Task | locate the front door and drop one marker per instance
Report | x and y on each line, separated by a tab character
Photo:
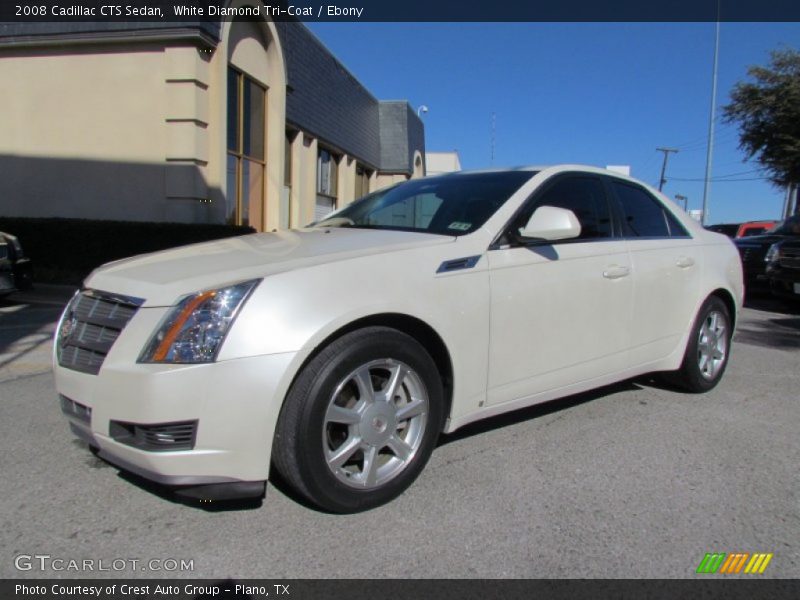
560	311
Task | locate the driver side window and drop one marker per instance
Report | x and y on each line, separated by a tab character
584	196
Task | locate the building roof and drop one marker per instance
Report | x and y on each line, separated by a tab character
59	32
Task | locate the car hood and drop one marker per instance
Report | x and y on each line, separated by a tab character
162	277
793	242
754	241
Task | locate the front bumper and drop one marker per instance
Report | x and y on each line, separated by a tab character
784	283
233	403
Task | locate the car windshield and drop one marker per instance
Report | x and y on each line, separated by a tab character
790	226
447	205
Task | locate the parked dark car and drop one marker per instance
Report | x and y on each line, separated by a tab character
6	272
740	230
753	250
21	267
783	269
728	229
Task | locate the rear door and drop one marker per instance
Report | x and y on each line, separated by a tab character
667	267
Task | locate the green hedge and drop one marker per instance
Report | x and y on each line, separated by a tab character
67	250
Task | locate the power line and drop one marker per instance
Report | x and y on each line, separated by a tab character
736	174
721	177
719	180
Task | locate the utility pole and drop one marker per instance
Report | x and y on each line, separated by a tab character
712	116
493	138
666	152
684	199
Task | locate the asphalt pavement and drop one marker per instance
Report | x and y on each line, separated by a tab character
633	480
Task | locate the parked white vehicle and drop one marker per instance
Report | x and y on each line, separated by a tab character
339	352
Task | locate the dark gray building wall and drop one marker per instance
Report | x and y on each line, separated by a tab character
394	146
402	134
416	135
325	100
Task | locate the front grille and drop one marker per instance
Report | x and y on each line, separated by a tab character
91	324
790	258
160	437
752	254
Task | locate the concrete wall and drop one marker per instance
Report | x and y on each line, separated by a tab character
437	163
135	129
83	127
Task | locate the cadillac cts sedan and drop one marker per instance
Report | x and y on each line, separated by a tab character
338	353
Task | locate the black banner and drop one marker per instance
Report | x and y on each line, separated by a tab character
165	11
394	589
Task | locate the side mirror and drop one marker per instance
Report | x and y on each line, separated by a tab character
551	224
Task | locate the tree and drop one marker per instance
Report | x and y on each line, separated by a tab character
767	111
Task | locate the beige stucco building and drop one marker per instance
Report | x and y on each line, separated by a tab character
233	122
438	163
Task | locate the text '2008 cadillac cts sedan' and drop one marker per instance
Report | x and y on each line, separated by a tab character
339	352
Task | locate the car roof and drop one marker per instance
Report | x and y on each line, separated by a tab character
540	168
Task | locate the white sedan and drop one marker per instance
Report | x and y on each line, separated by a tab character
338	353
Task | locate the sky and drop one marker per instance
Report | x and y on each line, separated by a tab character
588	93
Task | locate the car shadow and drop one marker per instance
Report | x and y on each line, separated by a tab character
537	411
277	482
764	302
166	492
777	324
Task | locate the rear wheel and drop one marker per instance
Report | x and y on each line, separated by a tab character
360	420
708	349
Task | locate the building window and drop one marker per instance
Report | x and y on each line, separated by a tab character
326	183
362	181
246	150
326	174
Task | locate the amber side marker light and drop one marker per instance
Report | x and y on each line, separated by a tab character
163	348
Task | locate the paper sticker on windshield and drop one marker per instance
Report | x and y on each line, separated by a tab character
459	226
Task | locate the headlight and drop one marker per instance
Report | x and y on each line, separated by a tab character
193	331
773	254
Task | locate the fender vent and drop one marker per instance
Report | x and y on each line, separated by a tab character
458	263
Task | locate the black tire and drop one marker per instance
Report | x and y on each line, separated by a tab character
308	436
695	376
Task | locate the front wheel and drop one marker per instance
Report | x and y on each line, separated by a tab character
708	349
360	420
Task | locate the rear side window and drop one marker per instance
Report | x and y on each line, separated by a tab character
584	196
643	215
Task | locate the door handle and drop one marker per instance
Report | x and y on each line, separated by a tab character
684	262
616	272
